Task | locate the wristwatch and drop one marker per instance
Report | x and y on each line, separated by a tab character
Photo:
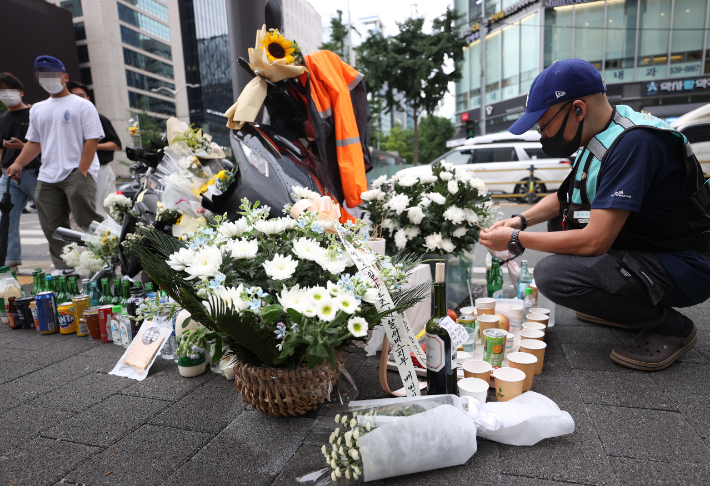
522	218
514	246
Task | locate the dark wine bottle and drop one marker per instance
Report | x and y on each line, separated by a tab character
440	355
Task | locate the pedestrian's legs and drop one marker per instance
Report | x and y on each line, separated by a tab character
81	195
53	212
19	197
627	287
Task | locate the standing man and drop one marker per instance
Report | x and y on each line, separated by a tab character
636	217
13	129
107	146
66	129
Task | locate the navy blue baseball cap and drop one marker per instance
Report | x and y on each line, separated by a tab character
563	81
49	64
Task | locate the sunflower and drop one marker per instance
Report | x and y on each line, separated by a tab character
278	47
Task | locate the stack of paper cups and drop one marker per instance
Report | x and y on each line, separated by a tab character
515	314
485	305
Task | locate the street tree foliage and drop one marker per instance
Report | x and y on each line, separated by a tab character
434	131
401	141
338	33
410	66
3	108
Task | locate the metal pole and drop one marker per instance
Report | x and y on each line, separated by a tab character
482	30
243	20
351	54
531	185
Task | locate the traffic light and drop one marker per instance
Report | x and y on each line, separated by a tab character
470	130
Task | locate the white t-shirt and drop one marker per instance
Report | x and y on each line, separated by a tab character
61	126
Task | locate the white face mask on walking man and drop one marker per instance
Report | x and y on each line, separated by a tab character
52	85
11	97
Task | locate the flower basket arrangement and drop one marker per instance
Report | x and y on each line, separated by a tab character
280	293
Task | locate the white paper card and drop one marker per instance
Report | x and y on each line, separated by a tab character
457	332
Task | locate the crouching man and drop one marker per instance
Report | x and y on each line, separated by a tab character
636	217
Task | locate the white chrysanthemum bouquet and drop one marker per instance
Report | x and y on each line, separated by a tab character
118	206
436	213
278	291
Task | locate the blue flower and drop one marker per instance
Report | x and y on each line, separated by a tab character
280	330
350	224
294	327
209	231
255	305
191	234
302	222
220	277
317	227
366	235
260	293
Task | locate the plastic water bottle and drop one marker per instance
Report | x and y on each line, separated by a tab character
170	347
528	301
524	279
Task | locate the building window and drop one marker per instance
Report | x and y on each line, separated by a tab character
85	73
474	95
687	38
146	83
74	6
474	11
460	6
558	34
148	103
152	7
130	16
148	44
653	39
510	58
620	41
588	37
139	61
493	67
83	52
529	48
79	31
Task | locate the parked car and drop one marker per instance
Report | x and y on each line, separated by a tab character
695	125
503	162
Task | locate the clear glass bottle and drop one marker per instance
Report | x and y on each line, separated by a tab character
116	325
495	280
528	301
137	298
441	357
126	332
95	294
85	285
170	347
524	279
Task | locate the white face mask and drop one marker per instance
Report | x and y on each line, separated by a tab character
51	85
11	97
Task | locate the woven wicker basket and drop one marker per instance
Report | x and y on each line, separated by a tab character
284	392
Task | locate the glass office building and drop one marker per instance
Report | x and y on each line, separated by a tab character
653	54
205	46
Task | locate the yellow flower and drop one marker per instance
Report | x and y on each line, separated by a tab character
278	47
179	219
202	189
107	232
104	240
222	175
133	130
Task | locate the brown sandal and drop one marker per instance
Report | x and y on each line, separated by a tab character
653	352
602	322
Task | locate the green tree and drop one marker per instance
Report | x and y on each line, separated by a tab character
338	33
410	66
3	108
434	131
400	141
151	128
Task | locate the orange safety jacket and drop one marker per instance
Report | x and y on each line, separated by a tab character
341	123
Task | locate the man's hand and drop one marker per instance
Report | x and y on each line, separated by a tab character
13	143
497	238
515	223
84	172
13	172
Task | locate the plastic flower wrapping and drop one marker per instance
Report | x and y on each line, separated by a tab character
279	291
101	247
438	213
377	439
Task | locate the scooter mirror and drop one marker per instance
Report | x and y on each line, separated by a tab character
272	15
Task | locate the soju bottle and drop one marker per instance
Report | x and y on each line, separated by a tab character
126	287
41	282
441	358
524	279
105	292
116	300
495	280
63	291
74	288
33	292
49	285
85	286
95	294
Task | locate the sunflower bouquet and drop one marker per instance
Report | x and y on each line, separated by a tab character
278	47
279	292
437	213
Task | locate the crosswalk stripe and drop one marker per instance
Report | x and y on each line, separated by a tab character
33	241
31	232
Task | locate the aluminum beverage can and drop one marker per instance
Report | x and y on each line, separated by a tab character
12	318
46	313
23	312
33	310
467	321
80	305
494	346
67	319
105	313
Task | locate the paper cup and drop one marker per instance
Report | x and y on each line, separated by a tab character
540	310
509	383
489	311
462	356
534	325
524	362
486	322
532	334
468	311
474	388
486	302
541	318
537	349
477	369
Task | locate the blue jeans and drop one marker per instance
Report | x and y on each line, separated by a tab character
20	194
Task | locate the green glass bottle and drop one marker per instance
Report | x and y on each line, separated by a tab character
105	292
41	282
49	284
441	357
495	280
33	292
74	287
85	285
62	290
